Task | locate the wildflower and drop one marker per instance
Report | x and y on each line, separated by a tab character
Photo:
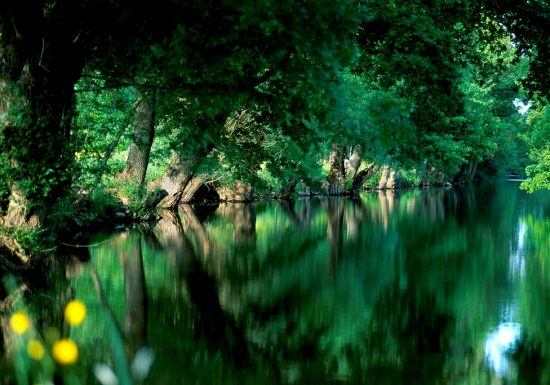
75	312
20	322
65	352
35	350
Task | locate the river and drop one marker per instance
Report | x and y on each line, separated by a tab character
431	286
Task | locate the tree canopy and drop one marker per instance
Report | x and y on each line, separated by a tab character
263	93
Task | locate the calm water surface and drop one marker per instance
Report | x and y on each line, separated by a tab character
427	286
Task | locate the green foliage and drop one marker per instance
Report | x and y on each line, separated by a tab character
479	123
374	118
102	202
32	241
103	121
539	172
265	89
130	193
42	363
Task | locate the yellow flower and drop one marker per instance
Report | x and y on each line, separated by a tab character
75	312
65	352
35	350
20	322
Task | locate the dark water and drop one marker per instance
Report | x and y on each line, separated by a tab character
414	287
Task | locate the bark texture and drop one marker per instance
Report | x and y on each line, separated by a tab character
384	177
177	176
337	174
37	77
192	188
142	139
183	167
362	177
353	163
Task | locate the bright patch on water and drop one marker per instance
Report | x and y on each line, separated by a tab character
517	257
499	344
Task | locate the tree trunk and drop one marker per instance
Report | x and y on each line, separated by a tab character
361	177
384	177
192	188
434	177
142	139
337	175
287	192
353	163
466	173
182	168
472	171
37	77
393	180
114	143
176	178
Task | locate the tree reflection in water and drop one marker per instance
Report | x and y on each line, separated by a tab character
392	287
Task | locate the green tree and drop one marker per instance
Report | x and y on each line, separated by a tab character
221	55
539	172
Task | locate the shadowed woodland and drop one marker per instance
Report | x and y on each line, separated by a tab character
191	131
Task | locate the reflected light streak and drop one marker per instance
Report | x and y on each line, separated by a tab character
517	258
499	344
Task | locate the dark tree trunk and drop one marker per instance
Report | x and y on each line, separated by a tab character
472	171
287	192
466	173
361	177
37	77
434	177
135	313
334	228
142	139
337	175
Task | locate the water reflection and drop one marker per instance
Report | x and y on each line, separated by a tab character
420	287
517	256
503	341
346	290
135	293
499	346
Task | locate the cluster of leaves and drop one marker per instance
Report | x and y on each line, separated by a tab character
539	171
104	116
419	84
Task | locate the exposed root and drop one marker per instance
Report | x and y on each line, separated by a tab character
12	256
